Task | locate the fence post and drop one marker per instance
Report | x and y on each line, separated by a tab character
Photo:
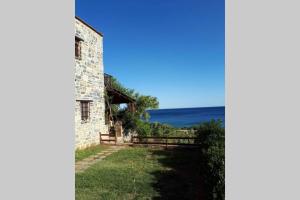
100	138
167	142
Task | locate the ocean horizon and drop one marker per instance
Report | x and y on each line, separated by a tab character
187	117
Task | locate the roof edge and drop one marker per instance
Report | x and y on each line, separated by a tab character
130	99
101	34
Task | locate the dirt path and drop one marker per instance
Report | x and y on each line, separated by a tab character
82	165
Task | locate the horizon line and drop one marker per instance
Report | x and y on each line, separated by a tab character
187	107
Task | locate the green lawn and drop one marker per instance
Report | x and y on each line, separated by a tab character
81	154
143	173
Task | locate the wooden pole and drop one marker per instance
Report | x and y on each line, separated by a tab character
167	142
100	137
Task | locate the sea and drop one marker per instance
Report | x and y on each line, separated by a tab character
187	117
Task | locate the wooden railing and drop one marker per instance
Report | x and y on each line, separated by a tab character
166	140
109	138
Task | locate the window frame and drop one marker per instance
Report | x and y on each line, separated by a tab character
85	110
78	52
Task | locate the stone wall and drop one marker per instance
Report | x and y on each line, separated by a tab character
89	83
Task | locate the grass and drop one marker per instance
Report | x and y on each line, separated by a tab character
84	153
143	173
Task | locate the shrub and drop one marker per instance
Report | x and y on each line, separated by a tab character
212	137
129	120
158	129
143	128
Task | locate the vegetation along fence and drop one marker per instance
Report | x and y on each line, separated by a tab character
166	140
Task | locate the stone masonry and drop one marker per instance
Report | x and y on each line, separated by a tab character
89	86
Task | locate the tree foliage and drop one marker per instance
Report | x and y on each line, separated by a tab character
212	137
136	121
118	86
143	103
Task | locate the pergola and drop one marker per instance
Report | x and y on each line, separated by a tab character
116	96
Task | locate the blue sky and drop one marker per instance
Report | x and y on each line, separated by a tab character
171	49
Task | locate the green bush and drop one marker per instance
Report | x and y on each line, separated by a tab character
129	120
158	129
143	128
212	137
132	122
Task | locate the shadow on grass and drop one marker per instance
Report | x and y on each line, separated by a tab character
182	179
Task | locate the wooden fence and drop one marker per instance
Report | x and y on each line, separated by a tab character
193	141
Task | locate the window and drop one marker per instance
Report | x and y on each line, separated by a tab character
77	48
85	110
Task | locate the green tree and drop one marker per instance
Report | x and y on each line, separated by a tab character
137	121
143	103
134	121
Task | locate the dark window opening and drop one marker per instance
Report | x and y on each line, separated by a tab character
85	110
77	48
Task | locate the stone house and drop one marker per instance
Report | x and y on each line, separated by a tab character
92	113
89	85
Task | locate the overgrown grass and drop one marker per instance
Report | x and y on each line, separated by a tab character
142	173
84	153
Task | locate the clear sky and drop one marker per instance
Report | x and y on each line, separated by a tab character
171	49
